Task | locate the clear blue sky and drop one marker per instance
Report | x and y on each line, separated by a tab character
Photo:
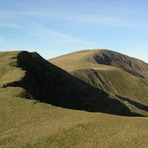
56	27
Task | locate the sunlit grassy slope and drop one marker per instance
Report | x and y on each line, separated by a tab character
30	123
8	70
123	77
26	123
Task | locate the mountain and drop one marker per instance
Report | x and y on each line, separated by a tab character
47	83
103	57
42	105
87	84
122	77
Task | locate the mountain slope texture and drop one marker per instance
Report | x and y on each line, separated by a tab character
42	105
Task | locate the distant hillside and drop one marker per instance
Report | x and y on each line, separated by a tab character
122	77
91	58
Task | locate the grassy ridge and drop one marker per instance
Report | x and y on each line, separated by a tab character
47	83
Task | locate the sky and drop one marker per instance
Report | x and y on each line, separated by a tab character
57	27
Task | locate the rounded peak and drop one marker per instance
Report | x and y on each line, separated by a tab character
103	57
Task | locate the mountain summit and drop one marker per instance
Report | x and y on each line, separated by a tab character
88	58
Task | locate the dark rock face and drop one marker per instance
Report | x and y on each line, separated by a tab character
131	65
47	83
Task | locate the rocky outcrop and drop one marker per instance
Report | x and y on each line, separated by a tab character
126	63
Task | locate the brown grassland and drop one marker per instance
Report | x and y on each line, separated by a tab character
29	123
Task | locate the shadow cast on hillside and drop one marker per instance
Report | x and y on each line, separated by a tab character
136	104
48	83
